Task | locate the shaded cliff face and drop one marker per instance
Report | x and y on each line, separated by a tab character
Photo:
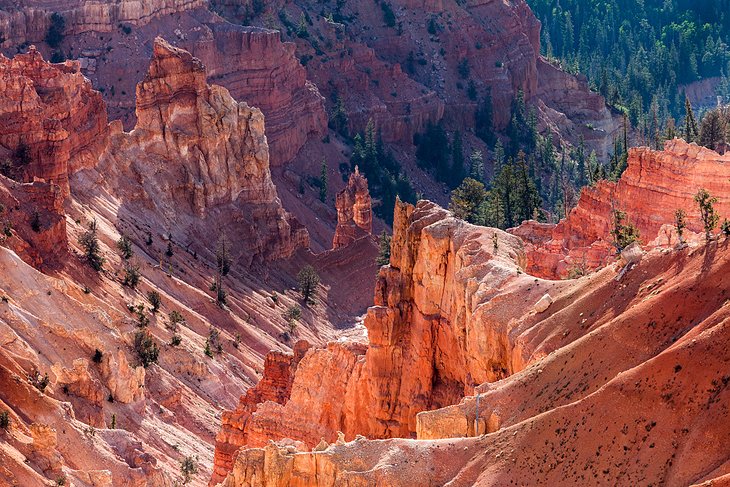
436	61
252	63
354	211
653	187
654	337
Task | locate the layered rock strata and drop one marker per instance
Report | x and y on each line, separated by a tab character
198	152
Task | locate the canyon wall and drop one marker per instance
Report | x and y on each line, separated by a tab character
30	23
52	122
256	66
354	211
444	320
653	187
196	152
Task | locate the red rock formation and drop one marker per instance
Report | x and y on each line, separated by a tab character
51	120
198	153
354	211
30	22
439	289
275	385
257	67
655	339
653	187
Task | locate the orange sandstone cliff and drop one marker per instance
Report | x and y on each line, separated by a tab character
604	380
653	187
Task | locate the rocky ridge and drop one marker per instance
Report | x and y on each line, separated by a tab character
653	187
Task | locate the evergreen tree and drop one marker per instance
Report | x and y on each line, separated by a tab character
624	233
308	281
457	161
467	199
690	123
709	216
527	195
323	182
680	224
476	162
90	242
383	249
484	128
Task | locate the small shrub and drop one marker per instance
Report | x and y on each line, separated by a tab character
5	420
98	355
61	481
90	242
146	348
38	381
175	340
175	320
155	300
124	244
292	315
213	342
169	252
131	275
188	468
142	320
35	221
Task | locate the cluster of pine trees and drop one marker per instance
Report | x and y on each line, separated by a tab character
639	54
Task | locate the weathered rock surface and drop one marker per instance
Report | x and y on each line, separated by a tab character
198	153
354	211
30	22
653	187
256	66
52	122
655	341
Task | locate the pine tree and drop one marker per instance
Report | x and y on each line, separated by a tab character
691	131
476	162
498	157
467	199
90	242
706	202
457	160
383	249
308	281
527	195
323	182
680	224
223	267
624	233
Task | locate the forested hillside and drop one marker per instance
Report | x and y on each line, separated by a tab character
639	55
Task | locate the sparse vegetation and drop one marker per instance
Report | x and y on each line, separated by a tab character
155	300
188	468
142	320
624	233
213	342
124	244
175	320
384	249
292	315
680	223
146	348
90	242
4	420
710	218
39	381
308	281
131	275
223	267
97	357
54	35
